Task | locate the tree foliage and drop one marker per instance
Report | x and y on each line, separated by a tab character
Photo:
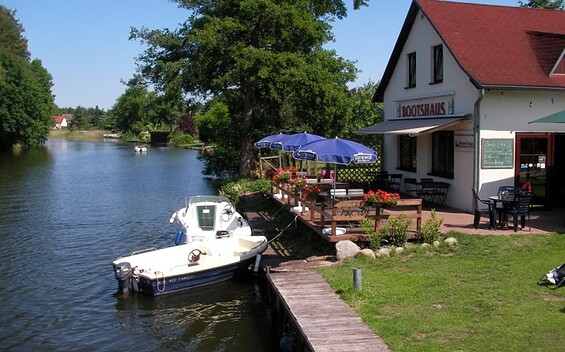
26	101
544	4
139	109
264	59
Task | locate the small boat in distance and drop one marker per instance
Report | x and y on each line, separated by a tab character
214	243
140	149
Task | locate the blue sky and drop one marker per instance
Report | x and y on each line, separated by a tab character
84	43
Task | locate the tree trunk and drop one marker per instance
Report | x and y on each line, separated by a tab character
247	164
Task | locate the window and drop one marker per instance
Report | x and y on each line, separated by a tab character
437	52
442	154
411	70
407	152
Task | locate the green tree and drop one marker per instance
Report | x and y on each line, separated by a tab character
264	58
139	109
26	101
544	4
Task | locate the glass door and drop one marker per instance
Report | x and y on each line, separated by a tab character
533	165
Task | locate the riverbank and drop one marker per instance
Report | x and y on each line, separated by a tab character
81	136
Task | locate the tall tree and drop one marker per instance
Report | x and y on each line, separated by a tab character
544	4
264	57
26	101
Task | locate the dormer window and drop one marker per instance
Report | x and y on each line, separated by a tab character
437	62
411	70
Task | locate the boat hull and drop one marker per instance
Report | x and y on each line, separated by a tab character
179	283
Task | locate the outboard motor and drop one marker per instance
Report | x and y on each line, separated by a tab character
122	271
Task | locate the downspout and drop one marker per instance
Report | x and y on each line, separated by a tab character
477	139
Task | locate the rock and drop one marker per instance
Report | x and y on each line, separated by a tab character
437	243
426	246
367	252
346	249
399	250
382	252
452	241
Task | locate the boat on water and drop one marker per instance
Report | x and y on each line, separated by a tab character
140	149
214	244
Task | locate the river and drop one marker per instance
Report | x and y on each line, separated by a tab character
68	210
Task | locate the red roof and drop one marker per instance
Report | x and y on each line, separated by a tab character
497	46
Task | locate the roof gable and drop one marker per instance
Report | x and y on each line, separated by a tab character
496	46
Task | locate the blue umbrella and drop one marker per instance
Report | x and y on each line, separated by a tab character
267	142
294	141
336	151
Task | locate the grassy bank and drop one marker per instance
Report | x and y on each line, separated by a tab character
482	297
88	136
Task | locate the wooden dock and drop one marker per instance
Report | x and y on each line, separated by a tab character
339	214
325	322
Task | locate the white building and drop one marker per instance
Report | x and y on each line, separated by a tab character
460	88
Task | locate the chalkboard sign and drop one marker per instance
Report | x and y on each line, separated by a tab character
497	153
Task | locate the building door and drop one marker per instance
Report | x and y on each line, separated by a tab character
534	166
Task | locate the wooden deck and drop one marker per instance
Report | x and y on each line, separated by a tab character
325	322
339	214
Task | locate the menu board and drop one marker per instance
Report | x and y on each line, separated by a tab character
497	153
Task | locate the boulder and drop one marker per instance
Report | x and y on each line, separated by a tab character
383	252
367	252
346	249
452	241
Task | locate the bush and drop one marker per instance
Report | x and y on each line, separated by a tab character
375	238
429	231
181	140
234	189
395	232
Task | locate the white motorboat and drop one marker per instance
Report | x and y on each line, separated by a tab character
214	244
140	149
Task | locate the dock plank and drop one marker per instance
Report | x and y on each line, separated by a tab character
326	322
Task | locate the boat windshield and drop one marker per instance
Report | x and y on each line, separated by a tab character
206	199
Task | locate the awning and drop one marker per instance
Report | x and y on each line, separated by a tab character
558	117
412	126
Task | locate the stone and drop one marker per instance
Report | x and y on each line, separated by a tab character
426	246
383	252
367	252
452	241
399	250
437	243
346	249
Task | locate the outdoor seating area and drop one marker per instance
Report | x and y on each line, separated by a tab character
428	189
509	202
337	214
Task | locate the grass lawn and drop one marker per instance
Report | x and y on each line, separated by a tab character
483	296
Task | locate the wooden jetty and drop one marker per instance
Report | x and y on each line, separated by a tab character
324	321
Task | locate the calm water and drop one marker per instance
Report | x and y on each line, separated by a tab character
65	213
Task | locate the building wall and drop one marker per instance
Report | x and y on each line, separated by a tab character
455	83
503	113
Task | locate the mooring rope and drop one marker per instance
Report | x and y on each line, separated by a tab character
283	230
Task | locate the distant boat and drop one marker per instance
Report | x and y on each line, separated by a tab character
140	149
213	245
112	135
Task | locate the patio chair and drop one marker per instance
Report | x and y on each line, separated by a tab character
427	189
394	182
411	186
479	210
521	207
